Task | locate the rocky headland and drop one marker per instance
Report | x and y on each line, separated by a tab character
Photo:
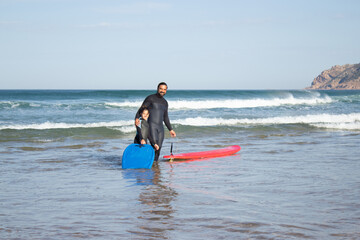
338	77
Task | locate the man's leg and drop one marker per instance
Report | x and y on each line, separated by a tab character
157	134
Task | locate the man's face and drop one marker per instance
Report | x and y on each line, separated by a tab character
162	90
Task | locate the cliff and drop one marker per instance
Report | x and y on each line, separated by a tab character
338	77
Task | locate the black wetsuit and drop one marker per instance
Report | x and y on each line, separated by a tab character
158	108
143	133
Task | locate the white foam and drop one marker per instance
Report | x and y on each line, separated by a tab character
247	103
132	104
9	104
341	121
35	105
126	129
52	125
341	126
231	103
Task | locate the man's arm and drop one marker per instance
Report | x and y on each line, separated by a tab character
167	123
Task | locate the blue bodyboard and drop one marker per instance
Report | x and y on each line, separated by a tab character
138	156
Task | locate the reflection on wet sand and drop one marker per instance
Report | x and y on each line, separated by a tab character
155	217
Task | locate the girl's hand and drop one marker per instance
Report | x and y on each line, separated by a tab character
137	122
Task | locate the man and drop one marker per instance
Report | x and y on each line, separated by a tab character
158	108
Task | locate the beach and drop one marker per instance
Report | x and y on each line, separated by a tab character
297	175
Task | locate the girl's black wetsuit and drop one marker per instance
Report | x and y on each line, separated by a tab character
158	108
143	133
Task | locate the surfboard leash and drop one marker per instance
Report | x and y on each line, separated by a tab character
171	153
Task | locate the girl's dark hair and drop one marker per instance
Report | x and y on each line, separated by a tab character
143	108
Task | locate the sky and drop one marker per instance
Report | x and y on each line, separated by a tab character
198	44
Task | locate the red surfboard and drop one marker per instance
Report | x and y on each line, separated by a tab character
206	154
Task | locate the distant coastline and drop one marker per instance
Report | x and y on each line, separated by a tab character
345	77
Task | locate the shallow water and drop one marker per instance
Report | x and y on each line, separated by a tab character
278	187
289	181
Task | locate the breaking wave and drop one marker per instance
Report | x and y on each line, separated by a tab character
231	103
340	121
52	125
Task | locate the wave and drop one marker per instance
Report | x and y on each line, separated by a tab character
52	125
126	104
341	121
203	103
330	121
251	103
18	104
231	103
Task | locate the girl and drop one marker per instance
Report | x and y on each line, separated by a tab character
143	132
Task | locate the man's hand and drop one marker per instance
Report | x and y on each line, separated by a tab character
137	122
156	147
172	133
143	141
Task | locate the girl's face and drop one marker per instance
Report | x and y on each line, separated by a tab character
145	114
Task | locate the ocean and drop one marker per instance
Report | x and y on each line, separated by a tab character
297	175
